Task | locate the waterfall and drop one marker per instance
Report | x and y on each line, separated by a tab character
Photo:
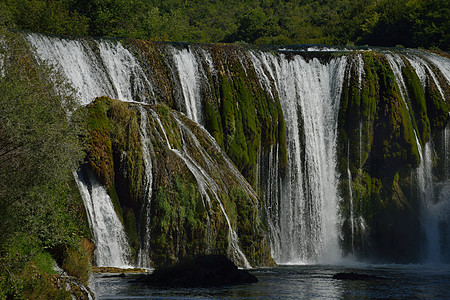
144	225
112	249
426	195
434	196
126	75
94	68
188	73
435	201
205	182
309	93
301	203
423	69
350	191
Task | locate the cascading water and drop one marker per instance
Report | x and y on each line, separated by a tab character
204	181
188	73
435	201
301	204
143	257
350	192
435	207
114	72
110	239
126	75
309	92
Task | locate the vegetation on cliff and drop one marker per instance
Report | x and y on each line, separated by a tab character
42	218
186	216
377	131
242	117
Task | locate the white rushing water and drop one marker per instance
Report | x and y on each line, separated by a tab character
350	192
143	258
127	77
112	249
188	72
309	92
114	72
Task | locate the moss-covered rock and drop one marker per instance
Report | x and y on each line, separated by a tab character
240	115
115	155
193	184
438	108
417	98
377	132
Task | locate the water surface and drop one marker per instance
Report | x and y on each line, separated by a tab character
300	282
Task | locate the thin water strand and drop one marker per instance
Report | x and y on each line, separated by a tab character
143	257
112	248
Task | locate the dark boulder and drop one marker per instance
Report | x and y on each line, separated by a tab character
203	270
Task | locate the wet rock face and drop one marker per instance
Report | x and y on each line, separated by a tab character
201	271
175	189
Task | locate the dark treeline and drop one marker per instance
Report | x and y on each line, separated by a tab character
410	23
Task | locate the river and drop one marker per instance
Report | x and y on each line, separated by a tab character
300	282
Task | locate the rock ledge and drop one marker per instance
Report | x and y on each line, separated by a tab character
203	270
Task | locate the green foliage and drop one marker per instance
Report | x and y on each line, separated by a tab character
54	17
44	262
411	23
26	270
76	263
40	207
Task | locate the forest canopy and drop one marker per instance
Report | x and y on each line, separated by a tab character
409	23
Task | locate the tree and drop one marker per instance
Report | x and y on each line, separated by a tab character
39	148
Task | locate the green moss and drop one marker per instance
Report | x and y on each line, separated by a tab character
127	153
438	108
131	229
77	263
249	120
377	131
170	126
234	138
213	123
419	107
394	135
250	230
99	148
44	262
115	154
178	221
115	201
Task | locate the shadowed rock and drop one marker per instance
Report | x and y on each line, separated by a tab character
355	276
203	270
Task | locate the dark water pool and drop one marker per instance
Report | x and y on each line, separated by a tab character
300	282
